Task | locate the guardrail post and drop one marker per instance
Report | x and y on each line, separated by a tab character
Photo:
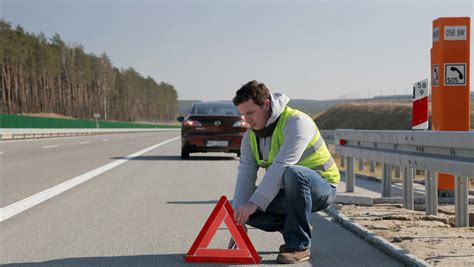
386	180
350	177
397	171
372	166
408	194
461	201
361	165
431	193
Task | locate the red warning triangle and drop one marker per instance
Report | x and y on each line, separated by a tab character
245	252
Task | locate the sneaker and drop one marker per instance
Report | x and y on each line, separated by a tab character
282	247
293	256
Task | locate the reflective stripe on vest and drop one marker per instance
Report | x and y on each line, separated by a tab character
326	165
311	150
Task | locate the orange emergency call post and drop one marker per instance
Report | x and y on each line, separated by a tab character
450	80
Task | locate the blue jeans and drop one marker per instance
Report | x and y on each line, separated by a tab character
304	192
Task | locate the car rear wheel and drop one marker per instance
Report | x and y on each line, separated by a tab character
184	153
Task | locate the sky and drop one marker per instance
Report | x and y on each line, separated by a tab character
208	49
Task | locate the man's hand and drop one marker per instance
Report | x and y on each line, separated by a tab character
242	213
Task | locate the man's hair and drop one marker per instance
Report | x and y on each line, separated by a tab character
254	90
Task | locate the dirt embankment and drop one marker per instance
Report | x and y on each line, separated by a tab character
431	238
370	116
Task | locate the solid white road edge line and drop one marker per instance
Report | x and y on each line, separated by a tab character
31	201
53	146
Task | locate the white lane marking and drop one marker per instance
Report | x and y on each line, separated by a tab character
41	139
31	201
85	142
71	137
46	147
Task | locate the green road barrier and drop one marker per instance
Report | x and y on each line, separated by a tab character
20	121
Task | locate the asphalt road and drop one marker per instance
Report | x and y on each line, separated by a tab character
146	211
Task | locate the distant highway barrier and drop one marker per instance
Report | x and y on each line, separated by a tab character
8	121
432	151
14	127
18	134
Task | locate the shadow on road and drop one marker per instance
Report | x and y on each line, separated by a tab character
374	186
177	158
138	260
328	250
193	202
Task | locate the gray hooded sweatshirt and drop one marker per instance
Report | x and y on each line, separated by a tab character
299	130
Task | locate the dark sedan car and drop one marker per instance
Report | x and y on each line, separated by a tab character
214	126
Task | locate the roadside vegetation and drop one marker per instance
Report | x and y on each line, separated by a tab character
47	76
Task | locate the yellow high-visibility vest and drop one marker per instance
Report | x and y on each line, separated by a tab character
316	155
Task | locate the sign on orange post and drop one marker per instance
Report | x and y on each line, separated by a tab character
419	118
450	81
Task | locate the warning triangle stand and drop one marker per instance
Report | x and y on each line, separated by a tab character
245	252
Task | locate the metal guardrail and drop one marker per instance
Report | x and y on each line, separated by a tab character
432	151
328	136
19	134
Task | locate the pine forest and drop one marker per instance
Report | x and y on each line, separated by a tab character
48	76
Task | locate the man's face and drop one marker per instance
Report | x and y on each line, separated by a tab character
255	115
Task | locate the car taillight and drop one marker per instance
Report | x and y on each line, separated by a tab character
190	123
241	124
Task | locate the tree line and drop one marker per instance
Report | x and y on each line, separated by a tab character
41	75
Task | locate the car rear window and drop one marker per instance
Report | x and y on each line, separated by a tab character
214	109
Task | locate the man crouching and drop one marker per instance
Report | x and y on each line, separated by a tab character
301	175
